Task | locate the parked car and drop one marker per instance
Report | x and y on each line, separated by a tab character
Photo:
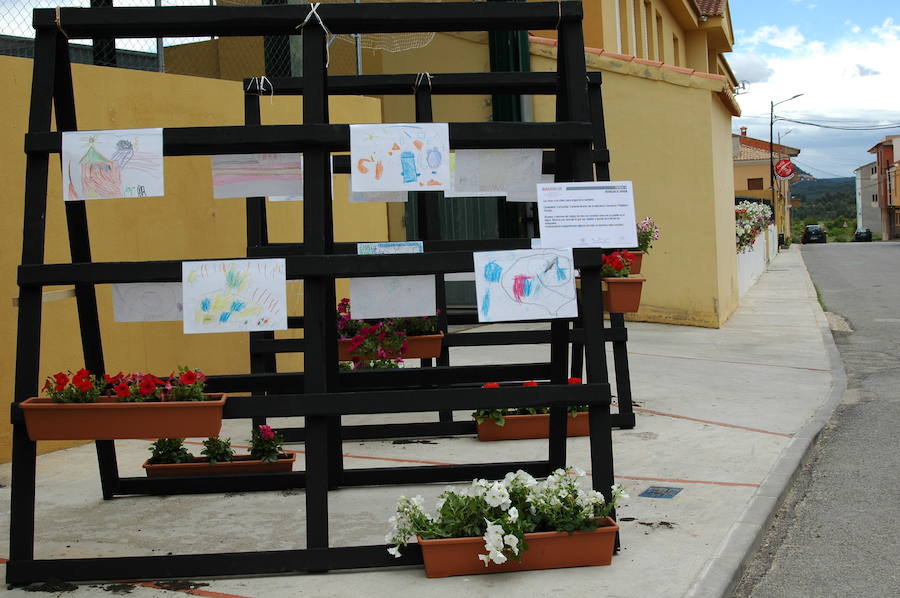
862	234
813	233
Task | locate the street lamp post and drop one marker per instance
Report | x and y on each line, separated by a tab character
772	148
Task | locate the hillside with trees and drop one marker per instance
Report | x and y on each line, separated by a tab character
830	202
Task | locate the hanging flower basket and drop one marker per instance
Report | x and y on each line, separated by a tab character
422	347
238	464
109	419
519	427
546	550
622	295
638	258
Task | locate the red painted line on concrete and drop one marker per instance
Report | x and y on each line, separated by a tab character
679	481
767	365
192	592
712	423
625	477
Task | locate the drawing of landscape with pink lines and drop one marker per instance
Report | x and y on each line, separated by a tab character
525	284
234	295
112	164
257	175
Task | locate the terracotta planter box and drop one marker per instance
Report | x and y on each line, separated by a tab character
546	550
421	347
239	464
636	264
108	419
519	427
622	295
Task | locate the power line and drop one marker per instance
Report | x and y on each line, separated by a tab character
807	167
840	127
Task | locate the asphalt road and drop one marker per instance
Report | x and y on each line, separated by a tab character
838	532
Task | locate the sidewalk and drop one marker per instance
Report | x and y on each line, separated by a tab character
726	415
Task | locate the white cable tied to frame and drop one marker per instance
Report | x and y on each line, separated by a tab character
313	12
420	78
259	84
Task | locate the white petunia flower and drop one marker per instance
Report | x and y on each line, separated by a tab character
497	557
486	558
497	496
513	514
512	541
394	550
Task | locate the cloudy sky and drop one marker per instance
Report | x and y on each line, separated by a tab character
844	57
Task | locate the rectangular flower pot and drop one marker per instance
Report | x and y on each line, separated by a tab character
422	347
546	550
622	295
108	419
519	427
239	464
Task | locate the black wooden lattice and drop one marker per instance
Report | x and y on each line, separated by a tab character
264	346
320	394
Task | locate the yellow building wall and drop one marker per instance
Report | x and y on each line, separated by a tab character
669	133
185	224
604	18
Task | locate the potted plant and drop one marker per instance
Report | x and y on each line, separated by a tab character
386	339
621	294
647	232
218	458
515	524
530	422
84	406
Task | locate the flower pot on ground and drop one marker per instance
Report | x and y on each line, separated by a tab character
141	406
238	464
520	427
170	458
522	523
546	550
622	295
520	424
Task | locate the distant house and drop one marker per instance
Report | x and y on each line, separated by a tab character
887	185
868	212
753	175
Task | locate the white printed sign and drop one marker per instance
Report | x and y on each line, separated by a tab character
589	214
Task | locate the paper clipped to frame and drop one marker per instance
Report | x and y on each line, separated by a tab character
588	214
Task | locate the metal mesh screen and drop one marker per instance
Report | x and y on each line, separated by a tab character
223	58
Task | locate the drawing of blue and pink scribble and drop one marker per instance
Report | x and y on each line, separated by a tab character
234	296
525	285
399	157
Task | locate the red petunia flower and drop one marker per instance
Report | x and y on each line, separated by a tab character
61	380
122	390
574	380
189	377
146	387
490	385
266	432
530	383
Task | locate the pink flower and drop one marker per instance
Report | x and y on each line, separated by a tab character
266	433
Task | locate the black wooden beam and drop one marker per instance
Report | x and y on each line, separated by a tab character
394	17
201	141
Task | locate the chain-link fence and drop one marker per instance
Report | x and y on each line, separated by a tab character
218	57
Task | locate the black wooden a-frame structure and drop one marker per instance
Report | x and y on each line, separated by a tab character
322	394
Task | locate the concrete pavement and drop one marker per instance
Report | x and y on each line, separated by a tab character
726	415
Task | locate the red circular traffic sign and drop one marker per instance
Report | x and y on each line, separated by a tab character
784	169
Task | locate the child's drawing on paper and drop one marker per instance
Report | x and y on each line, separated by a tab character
525	284
234	296
112	164
258	175
399	157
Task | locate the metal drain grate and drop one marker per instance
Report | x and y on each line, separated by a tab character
660	492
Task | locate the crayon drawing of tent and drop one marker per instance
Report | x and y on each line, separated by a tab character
100	176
